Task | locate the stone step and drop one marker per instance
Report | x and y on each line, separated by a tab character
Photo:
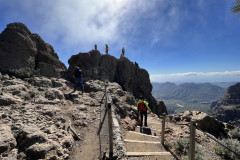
149	155
141	137
142	146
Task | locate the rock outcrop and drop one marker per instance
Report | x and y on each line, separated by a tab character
23	54
131	78
228	108
204	122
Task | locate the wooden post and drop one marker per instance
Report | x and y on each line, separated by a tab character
192	140
110	130
163	128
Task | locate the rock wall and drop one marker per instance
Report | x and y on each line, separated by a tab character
131	78
23	54
228	108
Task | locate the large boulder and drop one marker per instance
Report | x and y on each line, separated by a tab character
24	54
203	121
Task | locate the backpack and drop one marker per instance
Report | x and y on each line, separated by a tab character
142	107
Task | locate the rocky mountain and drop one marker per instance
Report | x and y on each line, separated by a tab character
23	53
228	108
188	92
128	75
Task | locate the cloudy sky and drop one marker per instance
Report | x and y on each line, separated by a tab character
174	40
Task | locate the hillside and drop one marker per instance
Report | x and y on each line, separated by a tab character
188	92
187	96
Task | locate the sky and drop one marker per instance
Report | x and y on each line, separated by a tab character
174	40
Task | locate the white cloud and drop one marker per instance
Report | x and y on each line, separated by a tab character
226	76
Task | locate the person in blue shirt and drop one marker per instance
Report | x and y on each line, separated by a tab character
78	79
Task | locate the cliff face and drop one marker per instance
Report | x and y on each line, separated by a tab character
22	52
228	108
131	78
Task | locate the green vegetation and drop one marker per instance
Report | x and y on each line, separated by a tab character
173	106
30	95
182	148
130	99
225	153
23	72
236	7
187	96
235	133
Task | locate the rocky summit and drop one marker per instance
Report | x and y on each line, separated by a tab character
129	75
228	108
23	53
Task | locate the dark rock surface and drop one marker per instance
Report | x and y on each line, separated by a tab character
24	54
228	108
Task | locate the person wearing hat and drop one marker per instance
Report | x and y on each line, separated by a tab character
78	78
142	107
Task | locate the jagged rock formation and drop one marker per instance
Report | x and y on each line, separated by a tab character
24	54
228	108
132	78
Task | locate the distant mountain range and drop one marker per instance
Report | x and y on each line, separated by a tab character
203	93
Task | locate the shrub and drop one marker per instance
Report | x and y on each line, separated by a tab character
225	153
130	100
235	133
182	146
29	95
23	72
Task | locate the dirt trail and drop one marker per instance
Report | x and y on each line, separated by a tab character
88	148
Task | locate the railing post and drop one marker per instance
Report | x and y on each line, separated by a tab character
192	140
110	131
163	128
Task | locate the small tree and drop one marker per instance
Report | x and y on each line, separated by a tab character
236	7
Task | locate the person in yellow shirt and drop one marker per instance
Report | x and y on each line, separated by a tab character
106	48
142	107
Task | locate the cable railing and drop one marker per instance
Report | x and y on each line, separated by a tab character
108	110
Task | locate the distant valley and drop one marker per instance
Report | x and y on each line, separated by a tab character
189	96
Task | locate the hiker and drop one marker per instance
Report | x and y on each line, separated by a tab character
142	107
106	48
78	78
123	51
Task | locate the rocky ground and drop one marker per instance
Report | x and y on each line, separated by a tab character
41	119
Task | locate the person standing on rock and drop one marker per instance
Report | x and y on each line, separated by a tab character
78	78
142	107
106	48
123	51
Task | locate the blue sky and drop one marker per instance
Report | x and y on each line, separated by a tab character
174	40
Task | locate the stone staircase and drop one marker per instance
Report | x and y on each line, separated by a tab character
145	143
